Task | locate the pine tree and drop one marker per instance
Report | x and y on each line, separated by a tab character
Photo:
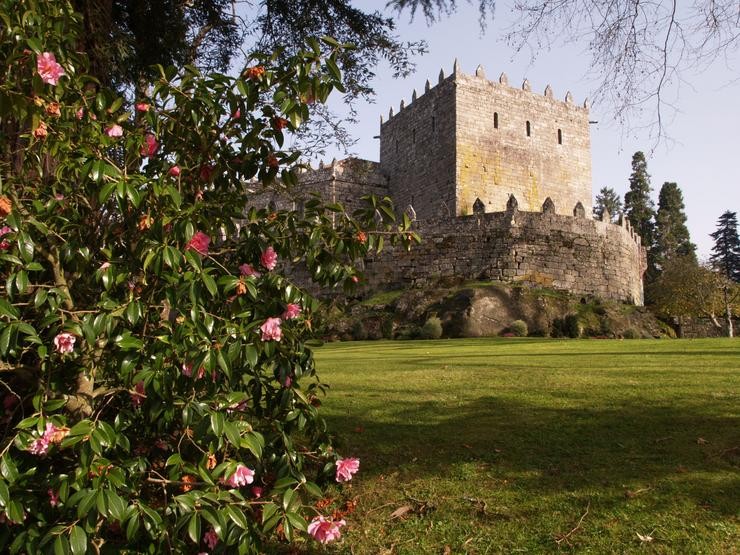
671	234
607	198
638	206
726	251
640	210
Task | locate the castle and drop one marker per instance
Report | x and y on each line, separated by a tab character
498	180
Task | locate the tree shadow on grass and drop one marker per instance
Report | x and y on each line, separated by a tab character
555	449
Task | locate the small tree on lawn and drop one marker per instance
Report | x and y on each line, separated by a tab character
158	391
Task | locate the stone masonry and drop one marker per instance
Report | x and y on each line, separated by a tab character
499	181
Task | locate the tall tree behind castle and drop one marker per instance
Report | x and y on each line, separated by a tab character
607	199
671	234
726	250
640	209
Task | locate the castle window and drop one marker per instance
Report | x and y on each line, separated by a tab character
413	136
495	120
560	136
434	124
529	129
396	146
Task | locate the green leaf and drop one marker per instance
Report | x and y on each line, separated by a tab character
194	528
4	494
8	469
251	353
251	441
61	545
232	434
297	521
132	529
217	423
210	284
78	541
237	516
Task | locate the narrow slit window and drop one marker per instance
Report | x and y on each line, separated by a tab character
529	129
396	146
560	136
434	124
495	120
413	136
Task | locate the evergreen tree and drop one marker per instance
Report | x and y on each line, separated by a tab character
638	206
607	198
726	251
640	211
671	234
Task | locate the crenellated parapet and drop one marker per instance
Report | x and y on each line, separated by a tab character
580	255
480	73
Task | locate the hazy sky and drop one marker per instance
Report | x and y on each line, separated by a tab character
703	158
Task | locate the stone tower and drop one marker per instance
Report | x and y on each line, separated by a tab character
468	138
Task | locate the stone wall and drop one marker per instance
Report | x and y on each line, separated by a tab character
513	141
468	138
345	181
417	151
579	255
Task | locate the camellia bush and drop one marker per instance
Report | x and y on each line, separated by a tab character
158	392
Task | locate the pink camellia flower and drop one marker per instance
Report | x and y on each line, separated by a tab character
210	538
237	114
39	446
269	258
48	68
187	369
52	434
271	330
65	342
174	171
199	243
241	477
104	266
345	469
138	395
248	270
114	130
256	492
4	243
291	311
142	107
151	145
80	113
53	498
324	530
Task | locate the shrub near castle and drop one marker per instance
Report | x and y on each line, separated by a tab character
157	390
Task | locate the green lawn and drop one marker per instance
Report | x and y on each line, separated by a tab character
538	445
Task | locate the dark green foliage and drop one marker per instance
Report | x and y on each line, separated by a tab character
519	328
569	326
359	331
631	333
432	328
124	38
671	234
386	328
726	250
607	198
638	206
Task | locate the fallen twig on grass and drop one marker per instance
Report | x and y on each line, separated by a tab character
566	537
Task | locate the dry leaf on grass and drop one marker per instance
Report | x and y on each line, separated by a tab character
647	538
401	512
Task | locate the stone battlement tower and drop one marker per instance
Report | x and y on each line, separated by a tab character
468	138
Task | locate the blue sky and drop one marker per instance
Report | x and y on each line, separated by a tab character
702	157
